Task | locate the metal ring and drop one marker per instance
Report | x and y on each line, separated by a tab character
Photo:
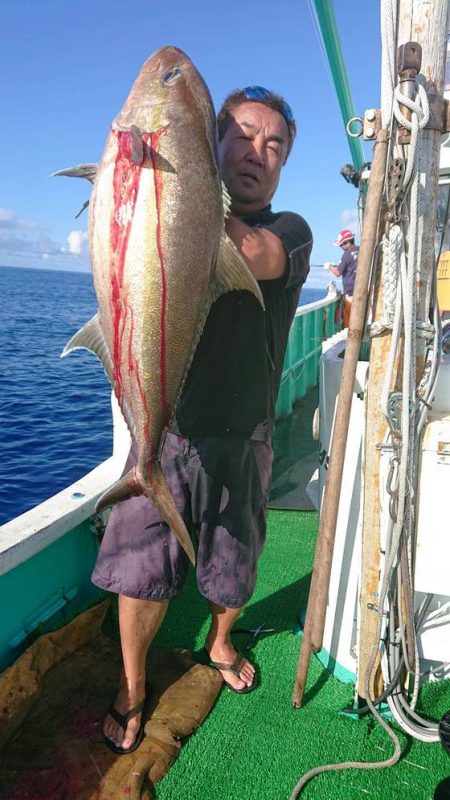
354	134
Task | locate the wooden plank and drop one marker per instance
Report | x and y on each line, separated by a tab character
426	23
317	601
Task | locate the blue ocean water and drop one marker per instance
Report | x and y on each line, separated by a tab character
55	416
55	413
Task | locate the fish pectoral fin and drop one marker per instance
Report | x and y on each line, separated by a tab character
88	171
232	272
131	145
226	200
126	487
91	337
135	147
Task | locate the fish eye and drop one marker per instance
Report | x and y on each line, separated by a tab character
171	76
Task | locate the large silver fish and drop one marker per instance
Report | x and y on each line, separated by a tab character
160	257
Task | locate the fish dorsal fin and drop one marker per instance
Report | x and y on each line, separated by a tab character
232	272
226	200
88	171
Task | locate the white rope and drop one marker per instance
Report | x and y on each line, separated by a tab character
420	115
396	331
420	106
393	248
393	242
400	264
404	522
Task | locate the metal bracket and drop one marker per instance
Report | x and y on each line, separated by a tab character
439	109
394	184
446	117
371	123
439	113
409	62
439	116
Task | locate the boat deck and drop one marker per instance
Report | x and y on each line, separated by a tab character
256	745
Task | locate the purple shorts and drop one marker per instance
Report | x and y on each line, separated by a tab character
221	488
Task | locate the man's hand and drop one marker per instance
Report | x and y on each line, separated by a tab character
332	268
262	250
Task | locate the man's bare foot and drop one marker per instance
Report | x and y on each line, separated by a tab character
124	736
225	653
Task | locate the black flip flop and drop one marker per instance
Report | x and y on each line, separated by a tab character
235	667
123	720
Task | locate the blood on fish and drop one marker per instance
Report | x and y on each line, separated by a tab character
125	186
153	140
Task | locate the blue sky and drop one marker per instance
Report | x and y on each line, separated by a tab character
67	66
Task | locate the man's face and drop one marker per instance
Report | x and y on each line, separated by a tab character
251	155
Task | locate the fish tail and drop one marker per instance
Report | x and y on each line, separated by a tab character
158	492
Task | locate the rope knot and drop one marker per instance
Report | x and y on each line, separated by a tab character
420	108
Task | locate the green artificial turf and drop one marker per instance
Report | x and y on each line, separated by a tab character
256	746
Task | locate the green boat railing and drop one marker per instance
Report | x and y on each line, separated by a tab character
312	324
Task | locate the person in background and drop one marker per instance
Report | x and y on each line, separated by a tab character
217	456
346	269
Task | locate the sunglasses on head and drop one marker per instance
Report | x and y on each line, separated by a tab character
260	93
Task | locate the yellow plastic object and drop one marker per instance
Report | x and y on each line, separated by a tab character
443	282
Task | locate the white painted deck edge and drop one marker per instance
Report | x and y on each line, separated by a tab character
33	531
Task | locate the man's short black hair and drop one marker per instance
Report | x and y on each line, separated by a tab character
270	99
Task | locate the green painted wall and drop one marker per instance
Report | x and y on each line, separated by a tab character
46	591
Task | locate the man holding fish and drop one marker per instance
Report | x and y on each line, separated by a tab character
202	454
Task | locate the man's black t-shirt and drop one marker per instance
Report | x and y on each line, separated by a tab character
233	382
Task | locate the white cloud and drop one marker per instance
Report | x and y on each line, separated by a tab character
9	220
350	219
77	241
26	242
12	244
